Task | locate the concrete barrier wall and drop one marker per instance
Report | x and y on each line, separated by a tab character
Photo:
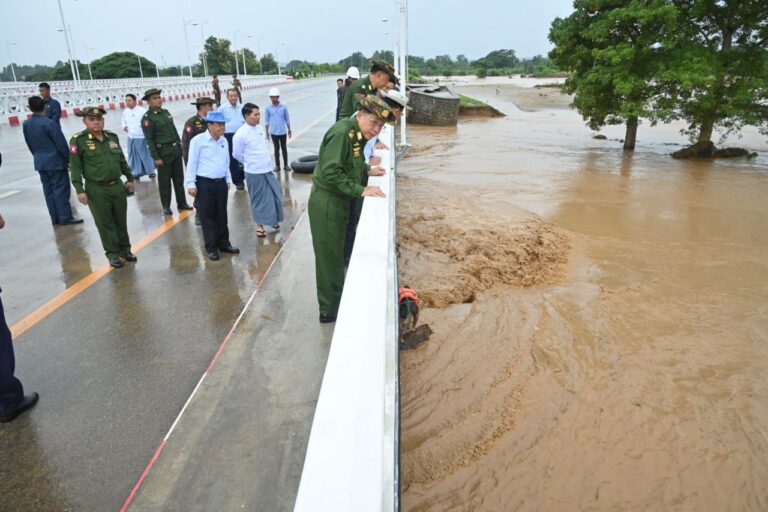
352	457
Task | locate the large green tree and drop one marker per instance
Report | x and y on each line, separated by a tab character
717	73
219	57
612	49
268	64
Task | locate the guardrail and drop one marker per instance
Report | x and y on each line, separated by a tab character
110	94
352	460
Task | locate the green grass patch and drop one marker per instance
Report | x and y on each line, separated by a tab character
466	101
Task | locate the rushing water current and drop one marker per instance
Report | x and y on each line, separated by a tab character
600	318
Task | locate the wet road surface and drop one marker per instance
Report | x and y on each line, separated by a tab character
115	362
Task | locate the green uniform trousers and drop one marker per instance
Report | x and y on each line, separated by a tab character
109	207
328	218
171	171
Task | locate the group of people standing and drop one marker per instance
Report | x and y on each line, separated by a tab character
94	163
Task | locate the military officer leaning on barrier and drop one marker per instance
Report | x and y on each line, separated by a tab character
96	158
336	180
195	125
380	75
165	147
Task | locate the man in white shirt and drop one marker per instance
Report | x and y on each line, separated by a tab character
208	181
250	146
139	158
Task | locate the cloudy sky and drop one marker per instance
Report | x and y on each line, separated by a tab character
310	29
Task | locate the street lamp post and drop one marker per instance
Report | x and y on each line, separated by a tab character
154	52
69	49
8	45
141	72
237	61
186	42
202	43
88	56
277	59
403	51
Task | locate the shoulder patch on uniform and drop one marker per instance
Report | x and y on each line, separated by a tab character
147	122
73	149
188	128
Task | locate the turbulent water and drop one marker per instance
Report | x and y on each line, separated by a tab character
600	318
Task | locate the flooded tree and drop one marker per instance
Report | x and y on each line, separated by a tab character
717	75
612	50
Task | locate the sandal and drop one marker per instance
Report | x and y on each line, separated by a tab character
276	227
261	233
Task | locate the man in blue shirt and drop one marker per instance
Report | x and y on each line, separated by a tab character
208	181
278	125
50	153
52	107
233	114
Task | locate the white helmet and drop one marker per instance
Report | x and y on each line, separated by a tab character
274	92
353	72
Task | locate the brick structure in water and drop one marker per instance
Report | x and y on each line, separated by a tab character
433	105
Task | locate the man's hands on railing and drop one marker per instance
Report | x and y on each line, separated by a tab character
377	171
373	192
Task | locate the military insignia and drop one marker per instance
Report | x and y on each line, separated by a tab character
359	136
73	149
384	114
170	116
351	134
91	146
188	129
146	122
113	145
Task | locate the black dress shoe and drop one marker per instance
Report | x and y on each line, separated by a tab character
116	263
230	249
327	319
213	255
129	256
27	402
184	207
167	211
72	221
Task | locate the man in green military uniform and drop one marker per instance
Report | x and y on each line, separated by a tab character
380	75
195	125
96	157
336	180
165	147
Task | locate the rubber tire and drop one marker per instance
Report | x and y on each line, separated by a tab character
305	164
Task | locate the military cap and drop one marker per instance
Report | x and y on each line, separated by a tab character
380	65
376	105
151	92
205	100
91	111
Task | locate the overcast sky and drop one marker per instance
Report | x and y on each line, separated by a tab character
311	29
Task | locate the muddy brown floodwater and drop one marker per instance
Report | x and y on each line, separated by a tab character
600	318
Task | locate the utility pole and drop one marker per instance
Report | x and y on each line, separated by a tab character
140	70
237	61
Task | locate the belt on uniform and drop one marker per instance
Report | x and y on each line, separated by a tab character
166	145
108	183
212	180
332	193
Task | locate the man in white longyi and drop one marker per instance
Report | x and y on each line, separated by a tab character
250	146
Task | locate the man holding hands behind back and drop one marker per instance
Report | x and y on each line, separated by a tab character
208	181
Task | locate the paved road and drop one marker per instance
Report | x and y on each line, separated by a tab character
115	363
